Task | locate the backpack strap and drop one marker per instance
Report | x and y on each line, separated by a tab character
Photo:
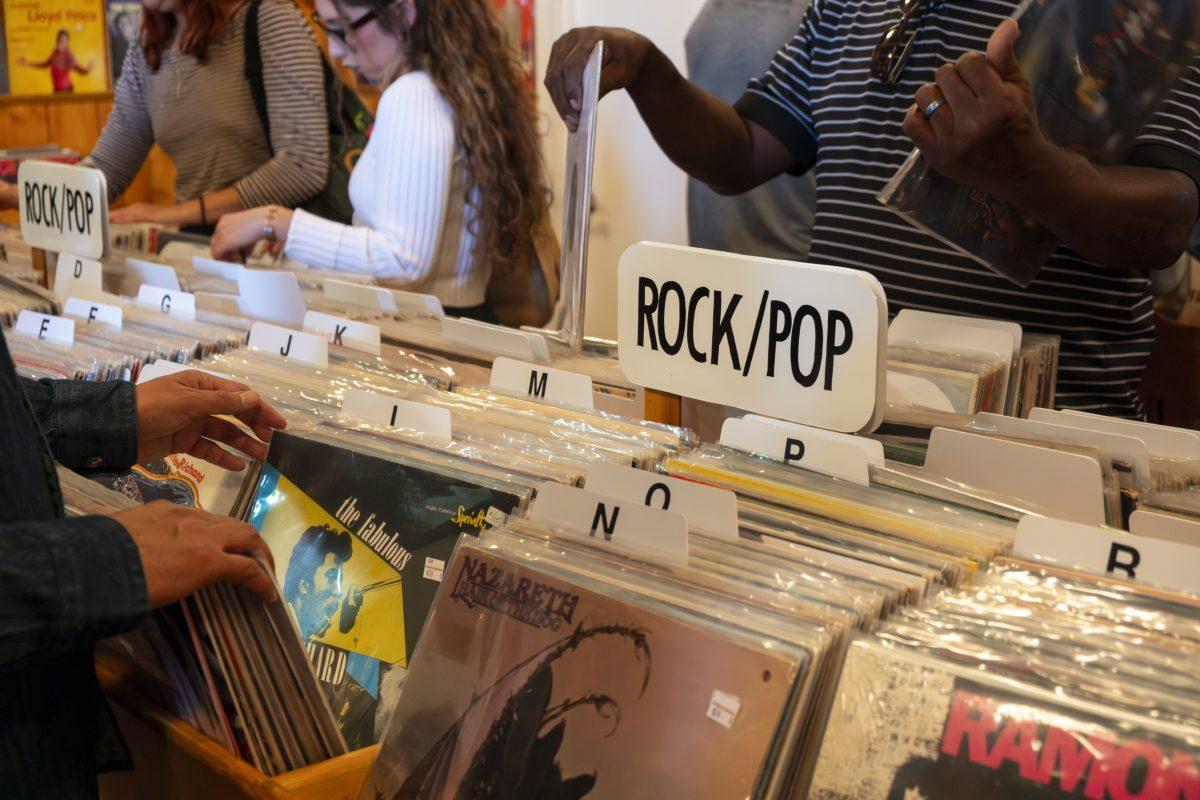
254	69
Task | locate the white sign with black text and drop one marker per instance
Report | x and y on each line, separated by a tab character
709	510
342	332
93	311
658	535
395	412
799	342
1107	551
304	348
63	207
78	276
59	330
171	302
542	383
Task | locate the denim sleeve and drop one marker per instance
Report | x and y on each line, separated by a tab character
65	584
88	425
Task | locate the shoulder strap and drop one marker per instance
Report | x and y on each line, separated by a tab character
254	69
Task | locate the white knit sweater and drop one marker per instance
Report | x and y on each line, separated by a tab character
411	216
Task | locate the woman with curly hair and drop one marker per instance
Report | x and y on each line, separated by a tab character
449	192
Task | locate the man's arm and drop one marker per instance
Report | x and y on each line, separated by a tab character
87	425
701	134
987	135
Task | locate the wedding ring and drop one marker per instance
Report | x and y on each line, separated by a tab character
932	108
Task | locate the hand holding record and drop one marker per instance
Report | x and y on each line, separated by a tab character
185	549
179	414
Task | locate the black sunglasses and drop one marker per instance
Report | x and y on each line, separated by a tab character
896	45
341	33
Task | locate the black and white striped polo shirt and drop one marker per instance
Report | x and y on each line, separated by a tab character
820	100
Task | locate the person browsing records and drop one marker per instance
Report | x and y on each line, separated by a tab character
185	89
450	188
65	584
955	90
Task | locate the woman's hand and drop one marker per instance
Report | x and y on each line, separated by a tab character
149	212
9	197
238	233
178	414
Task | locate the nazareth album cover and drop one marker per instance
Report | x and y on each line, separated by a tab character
906	726
360	546
528	683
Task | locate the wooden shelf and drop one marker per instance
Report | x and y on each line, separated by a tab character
174	760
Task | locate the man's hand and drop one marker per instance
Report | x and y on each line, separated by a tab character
185	549
624	54
148	212
178	414
986	134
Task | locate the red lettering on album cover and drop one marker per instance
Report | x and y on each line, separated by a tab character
1049	754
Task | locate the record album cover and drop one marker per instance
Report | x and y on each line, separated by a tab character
910	727
360	546
531	684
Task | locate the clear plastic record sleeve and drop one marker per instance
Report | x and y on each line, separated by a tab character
1099	70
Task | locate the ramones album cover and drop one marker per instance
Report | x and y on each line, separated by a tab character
360	545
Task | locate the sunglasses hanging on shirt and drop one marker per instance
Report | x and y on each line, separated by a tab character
894	48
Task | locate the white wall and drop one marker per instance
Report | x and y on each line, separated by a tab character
637	193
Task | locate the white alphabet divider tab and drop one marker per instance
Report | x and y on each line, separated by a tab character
497	339
163	367
154	274
357	294
708	510
413	304
78	276
1107	551
63	207
657	535
304	348
1162	441
59	330
1168	527
800	342
171	302
542	383
226	270
94	311
271	295
342	332
1068	485
836	454
395	412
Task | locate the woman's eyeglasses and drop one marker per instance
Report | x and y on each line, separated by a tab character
896	45
339	33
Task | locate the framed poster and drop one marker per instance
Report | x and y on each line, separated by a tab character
55	47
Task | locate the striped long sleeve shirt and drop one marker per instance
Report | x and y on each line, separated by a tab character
203	115
820	100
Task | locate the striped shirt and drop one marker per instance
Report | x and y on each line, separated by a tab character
413	223
203	115
820	100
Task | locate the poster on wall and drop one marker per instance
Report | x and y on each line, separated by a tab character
516	18
124	20
55	46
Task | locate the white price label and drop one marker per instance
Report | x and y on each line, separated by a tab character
435	569
723	708
800	342
59	330
305	348
342	332
708	509
495	517
658	535
92	311
171	302
542	383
